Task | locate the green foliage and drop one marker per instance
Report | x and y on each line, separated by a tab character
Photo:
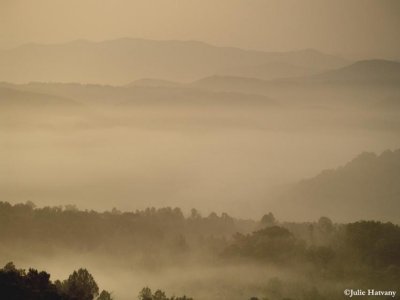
156	231
272	244
81	285
104	295
146	294
159	295
366	252
376	244
321	256
16	284
268	220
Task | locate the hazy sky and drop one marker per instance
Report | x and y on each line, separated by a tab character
367	27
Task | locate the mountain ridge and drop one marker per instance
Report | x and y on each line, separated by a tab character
124	60
365	187
371	70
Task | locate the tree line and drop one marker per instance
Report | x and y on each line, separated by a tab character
363	252
17	284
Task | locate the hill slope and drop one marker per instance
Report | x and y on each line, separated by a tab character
146	92
365	71
365	188
360	83
269	71
12	97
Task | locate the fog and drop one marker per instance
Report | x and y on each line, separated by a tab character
238	150
213	158
198	280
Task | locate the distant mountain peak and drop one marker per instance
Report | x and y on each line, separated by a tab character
365	187
373	70
123	60
376	65
153	82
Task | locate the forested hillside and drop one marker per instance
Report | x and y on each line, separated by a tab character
158	239
367	187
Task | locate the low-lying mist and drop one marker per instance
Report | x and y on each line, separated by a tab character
205	257
214	158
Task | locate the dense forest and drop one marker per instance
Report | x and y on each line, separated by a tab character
16	284
365	252
19	284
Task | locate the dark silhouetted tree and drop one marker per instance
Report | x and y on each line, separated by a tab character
268	220
81	285
104	295
159	295
145	294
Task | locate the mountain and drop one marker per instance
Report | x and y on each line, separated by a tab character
360	84
82	93
143	92
27	109
366	71
13	98
124	60
232	83
153	82
365	188
270	71
361	72
190	97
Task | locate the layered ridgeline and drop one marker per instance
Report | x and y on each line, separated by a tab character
139	93
373	84
375	72
365	188
13	97
123	60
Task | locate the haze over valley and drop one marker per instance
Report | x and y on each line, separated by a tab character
256	156
212	143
